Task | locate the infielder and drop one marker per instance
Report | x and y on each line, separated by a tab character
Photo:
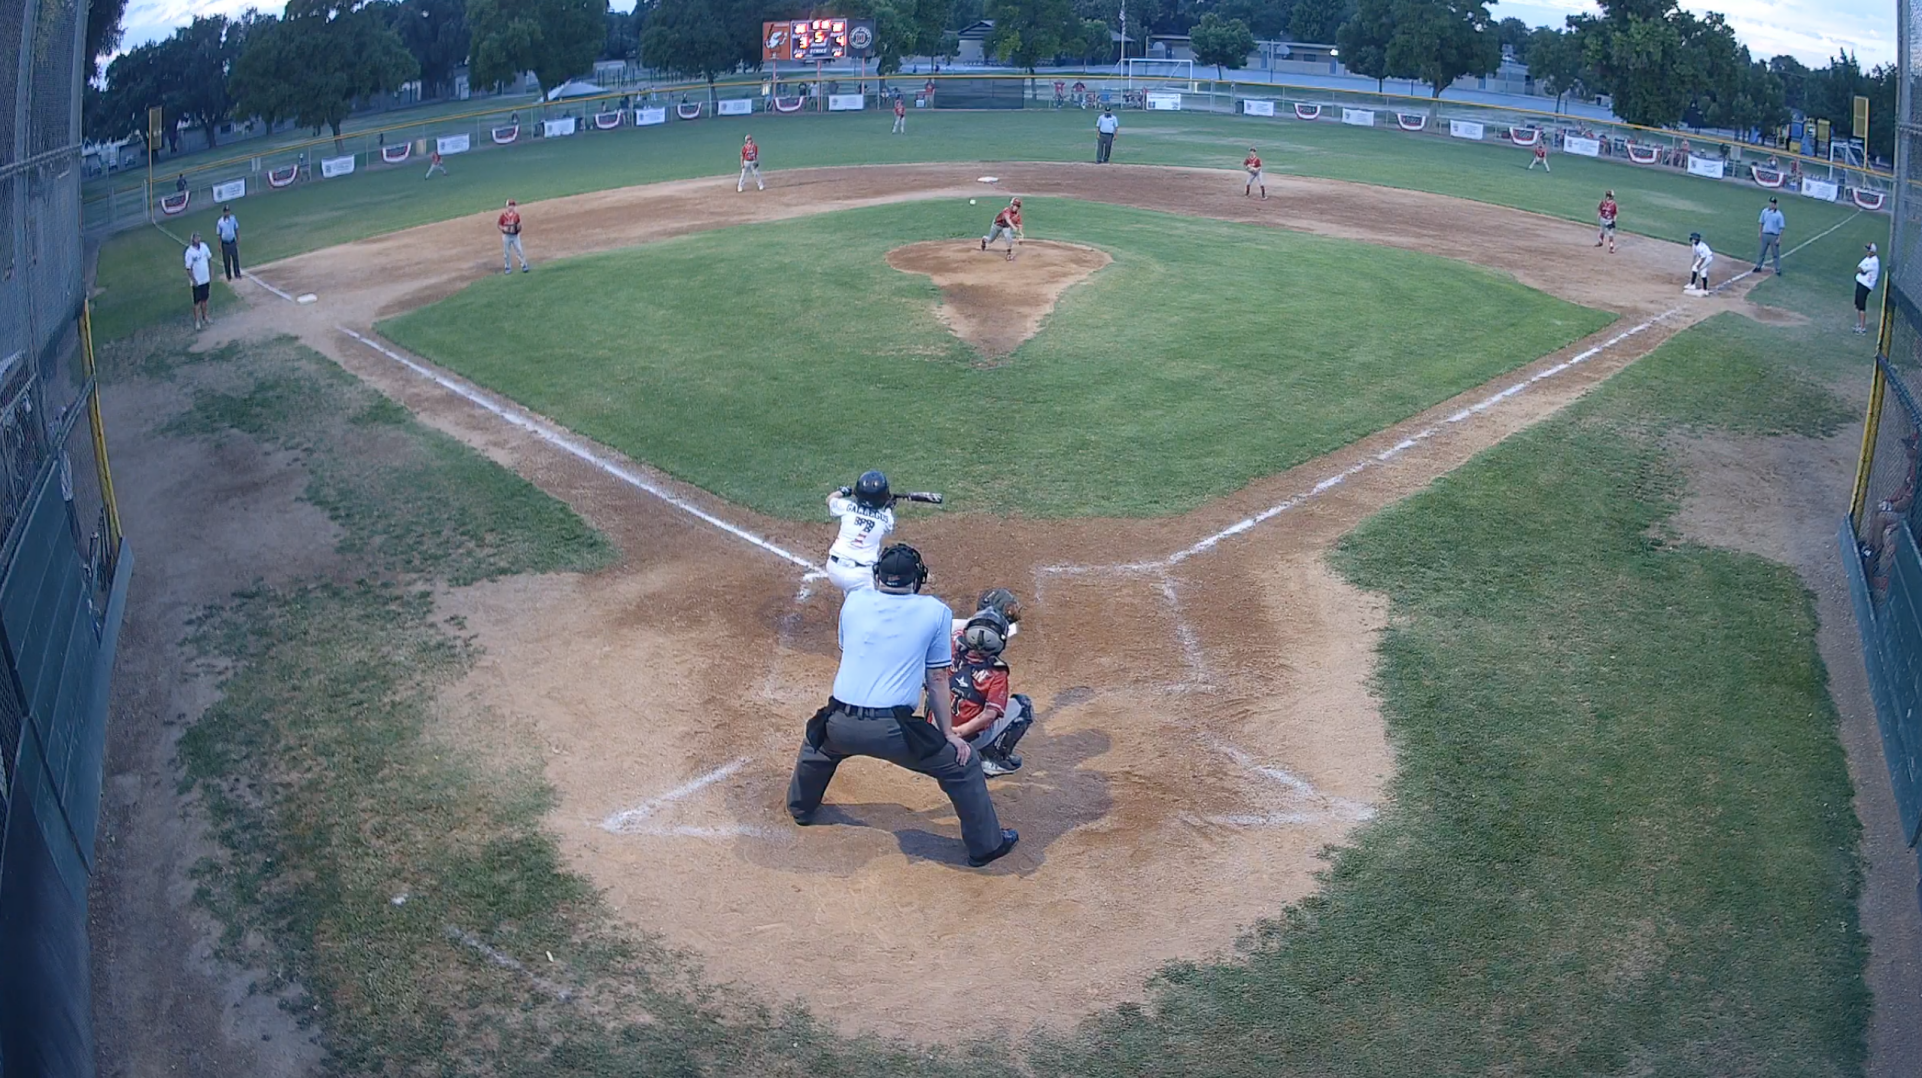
1255	178
1698	270
750	165
1006	223
510	226
987	715
1605	215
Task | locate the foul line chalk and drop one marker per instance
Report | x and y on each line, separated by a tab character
507	961
634	821
244	273
561	441
1751	270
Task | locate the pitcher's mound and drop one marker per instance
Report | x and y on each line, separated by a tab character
989	302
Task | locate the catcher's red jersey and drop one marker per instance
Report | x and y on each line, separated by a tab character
978	682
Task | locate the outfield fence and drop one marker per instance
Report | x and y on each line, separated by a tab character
63	573
632	113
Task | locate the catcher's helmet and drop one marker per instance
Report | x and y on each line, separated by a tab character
900	567
985	632
1695	237
871	490
1002	601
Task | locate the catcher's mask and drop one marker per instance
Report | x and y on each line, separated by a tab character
900	567
1003	602
871	490
985	632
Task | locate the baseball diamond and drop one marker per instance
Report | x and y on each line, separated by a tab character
1345	545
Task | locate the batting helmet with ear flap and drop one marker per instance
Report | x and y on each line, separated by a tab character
1002	600
901	567
871	489
985	632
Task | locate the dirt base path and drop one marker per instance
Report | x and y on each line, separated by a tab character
1206	727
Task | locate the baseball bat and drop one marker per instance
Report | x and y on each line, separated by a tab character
929	497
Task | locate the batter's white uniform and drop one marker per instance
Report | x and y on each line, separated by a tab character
863	532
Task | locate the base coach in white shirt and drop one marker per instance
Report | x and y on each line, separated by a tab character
896	646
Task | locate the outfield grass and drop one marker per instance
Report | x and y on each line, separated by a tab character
1170	377
1654	202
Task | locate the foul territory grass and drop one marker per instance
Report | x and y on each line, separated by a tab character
1205	355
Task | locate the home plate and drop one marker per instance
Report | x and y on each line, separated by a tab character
307	297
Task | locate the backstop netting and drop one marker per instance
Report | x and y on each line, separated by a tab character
1880	532
62	573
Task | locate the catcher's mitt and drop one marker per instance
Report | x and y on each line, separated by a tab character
1002	600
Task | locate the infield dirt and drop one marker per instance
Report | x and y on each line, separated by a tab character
1206	724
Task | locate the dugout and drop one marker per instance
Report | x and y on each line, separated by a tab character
980	94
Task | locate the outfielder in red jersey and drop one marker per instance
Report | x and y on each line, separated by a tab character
1255	178
1605	215
750	164
1006	223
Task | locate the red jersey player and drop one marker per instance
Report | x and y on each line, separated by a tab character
1255	178
986	714
900	116
1541	153
1605	215
750	165
1006	223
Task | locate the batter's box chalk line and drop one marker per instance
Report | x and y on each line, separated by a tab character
1295	799
643	819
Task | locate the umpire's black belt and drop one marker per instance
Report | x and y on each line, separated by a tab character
904	711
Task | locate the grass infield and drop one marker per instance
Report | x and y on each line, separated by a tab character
1172	376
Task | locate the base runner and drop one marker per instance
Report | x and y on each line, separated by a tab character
750	165
1605	215
1006	223
1255	178
1698	270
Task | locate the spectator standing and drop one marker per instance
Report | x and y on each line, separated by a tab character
1867	273
1105	127
228	229
200	274
1772	223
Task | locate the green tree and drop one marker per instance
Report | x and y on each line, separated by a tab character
1795	77
554	39
1318	21
1556	63
1439	41
1364	39
1029	33
104	19
435	34
1267	18
690	38
313	64
199	59
1221	43
1097	42
1515	37
1641	63
135	82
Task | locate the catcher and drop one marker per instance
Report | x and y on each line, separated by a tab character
1006	223
986	715
866	513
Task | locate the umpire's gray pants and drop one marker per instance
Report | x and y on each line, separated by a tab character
909	743
1771	242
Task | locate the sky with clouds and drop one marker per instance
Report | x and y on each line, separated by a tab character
1810	30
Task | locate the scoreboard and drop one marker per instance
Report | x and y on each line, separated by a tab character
817	39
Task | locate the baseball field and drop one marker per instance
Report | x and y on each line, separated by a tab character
1425	680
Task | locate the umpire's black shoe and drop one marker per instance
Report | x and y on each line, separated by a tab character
1009	836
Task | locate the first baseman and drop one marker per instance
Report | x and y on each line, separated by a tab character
750	165
1006	223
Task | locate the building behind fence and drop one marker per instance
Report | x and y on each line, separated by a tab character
63	573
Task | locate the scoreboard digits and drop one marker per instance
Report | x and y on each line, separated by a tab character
817	39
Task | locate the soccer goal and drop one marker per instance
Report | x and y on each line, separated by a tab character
1147	74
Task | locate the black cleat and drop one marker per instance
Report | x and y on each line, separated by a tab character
1009	836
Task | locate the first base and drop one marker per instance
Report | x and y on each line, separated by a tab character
989	179
308	297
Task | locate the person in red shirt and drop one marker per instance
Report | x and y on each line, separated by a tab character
1605	214
1006	223
510	226
750	165
1541	154
987	715
900	116
1255	178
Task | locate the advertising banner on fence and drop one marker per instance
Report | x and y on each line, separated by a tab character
447	144
1164	102
1251	106
846	102
1705	166
650	117
232	189
560	128
1582	147
1821	189
737	106
336	166
1465	129
1358	117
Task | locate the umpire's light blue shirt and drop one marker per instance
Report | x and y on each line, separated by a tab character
888	643
1772	221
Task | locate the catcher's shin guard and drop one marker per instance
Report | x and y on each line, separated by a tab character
1023	720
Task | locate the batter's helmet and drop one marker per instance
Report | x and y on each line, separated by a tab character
1695	237
871	490
985	632
900	567
1002	601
